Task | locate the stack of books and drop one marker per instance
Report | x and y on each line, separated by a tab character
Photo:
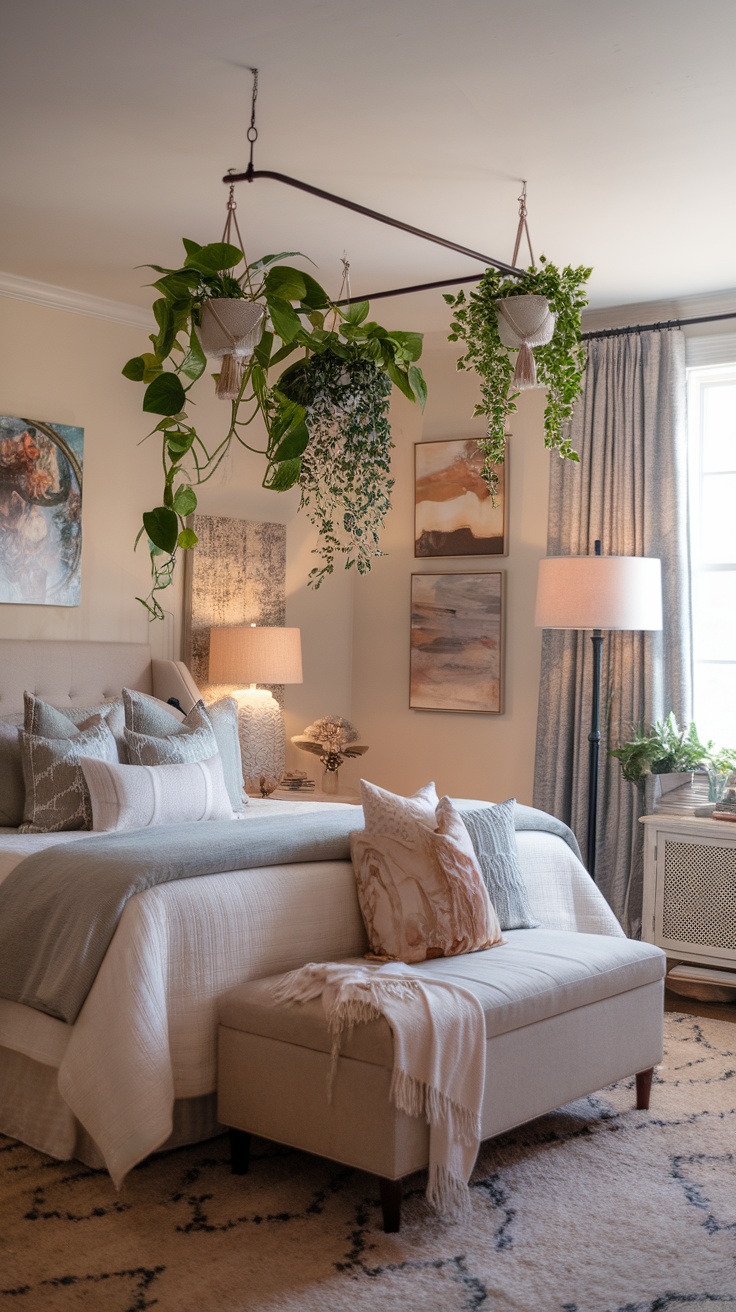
297	783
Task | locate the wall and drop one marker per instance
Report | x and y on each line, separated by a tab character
65	368
469	755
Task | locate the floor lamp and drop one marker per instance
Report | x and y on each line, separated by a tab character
598	592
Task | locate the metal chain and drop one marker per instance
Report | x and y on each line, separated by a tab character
252	133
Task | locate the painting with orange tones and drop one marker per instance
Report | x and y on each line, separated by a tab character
457	642
40	512
454	515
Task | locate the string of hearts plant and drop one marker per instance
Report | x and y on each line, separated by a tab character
324	416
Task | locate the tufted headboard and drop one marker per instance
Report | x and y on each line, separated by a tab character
86	673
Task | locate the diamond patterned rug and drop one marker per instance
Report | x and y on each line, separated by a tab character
594	1208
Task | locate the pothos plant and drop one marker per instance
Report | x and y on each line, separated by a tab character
341	462
560	363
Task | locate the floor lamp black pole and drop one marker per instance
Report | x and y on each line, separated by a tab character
594	744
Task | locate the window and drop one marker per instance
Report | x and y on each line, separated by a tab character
712	425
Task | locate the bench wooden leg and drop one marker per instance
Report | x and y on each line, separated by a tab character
643	1089
390	1191
240	1151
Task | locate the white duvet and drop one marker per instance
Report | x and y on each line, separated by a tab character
147	1032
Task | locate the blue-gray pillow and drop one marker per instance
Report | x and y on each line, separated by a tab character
493	836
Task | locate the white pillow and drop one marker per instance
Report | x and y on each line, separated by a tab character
136	796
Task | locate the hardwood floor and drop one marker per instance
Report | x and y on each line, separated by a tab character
694	1007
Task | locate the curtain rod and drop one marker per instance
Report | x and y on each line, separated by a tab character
658	327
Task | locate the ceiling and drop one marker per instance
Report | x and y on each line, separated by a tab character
119	120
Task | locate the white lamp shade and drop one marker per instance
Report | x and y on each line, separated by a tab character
255	654
599	592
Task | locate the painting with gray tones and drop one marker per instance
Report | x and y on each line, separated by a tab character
457	642
40	512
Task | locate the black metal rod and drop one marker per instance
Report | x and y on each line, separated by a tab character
665	325
419	287
594	745
251	175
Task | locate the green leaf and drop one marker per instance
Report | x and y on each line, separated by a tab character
216	257
263	350
418	385
162	527
185	500
284	319
163	310
400	379
410	344
356	312
265	260
315	296
164	396
179	444
283	476
294	443
286	283
191	247
187	538
195	360
178	286
152	366
134	369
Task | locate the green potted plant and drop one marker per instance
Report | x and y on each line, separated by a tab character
284	310
492	322
664	749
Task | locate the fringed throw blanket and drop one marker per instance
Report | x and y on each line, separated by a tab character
439	1055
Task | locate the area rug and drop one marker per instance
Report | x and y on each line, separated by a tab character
593	1208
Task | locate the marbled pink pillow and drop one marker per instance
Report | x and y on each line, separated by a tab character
420	890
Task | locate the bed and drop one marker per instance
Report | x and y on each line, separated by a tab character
136	1071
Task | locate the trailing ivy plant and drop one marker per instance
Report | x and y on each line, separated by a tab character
300	317
560	364
345	472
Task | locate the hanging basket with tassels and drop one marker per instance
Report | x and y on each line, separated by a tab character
523	323
230	330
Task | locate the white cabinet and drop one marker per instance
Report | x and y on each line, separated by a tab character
690	888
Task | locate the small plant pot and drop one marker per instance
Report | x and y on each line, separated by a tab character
523	323
230	327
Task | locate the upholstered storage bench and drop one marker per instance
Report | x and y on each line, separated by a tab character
566	1014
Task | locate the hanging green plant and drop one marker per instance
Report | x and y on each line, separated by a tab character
345	475
560	362
286	311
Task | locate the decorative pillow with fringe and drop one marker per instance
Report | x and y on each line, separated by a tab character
420	890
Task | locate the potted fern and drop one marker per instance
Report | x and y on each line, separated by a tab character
500	322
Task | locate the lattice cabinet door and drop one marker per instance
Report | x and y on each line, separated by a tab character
690	888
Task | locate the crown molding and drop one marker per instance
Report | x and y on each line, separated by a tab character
63	298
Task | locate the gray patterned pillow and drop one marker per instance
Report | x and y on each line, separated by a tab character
49	721
12	788
493	836
56	794
152	720
189	740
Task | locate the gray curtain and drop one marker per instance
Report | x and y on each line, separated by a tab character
629	490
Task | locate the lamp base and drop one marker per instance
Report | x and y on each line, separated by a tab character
261	734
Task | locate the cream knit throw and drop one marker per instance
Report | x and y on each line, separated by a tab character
439	1055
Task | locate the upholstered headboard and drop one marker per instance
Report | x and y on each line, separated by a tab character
86	673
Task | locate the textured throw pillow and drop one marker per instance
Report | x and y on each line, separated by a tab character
12	787
420	890
492	832
56	794
149	719
47	721
136	796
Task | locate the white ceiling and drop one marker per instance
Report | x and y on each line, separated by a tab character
119	119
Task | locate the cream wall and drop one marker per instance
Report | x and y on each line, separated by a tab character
469	755
65	368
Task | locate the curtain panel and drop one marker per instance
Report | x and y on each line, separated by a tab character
630	491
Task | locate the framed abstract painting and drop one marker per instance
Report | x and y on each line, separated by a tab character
453	511
40	512
457	642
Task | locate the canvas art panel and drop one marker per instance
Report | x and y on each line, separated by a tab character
454	514
457	642
40	512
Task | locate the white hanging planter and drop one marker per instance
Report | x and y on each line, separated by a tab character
523	323
230	330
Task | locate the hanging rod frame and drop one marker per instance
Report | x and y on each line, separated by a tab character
251	175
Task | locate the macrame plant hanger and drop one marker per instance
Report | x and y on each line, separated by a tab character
524	321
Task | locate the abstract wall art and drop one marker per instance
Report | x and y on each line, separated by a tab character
40	512
453	513
457	642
